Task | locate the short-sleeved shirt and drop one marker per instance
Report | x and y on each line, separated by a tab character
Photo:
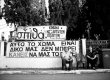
67	55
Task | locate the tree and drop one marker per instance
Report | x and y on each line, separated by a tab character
64	12
56	12
96	12
20	12
70	8
101	17
82	22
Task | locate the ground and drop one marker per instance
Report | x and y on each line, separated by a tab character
91	76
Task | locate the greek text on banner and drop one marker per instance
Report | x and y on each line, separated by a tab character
33	49
41	33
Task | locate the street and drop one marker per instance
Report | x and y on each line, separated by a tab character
93	76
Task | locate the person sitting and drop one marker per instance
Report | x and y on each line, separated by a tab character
99	55
66	57
91	58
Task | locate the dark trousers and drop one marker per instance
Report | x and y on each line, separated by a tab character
64	62
91	62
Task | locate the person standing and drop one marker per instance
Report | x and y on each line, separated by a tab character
66	57
91	58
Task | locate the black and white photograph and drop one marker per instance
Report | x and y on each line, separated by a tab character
54	40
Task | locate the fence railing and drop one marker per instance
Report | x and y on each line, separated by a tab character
97	43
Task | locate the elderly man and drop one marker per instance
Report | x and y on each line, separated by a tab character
66	59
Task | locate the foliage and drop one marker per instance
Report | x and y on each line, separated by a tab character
97	12
56	12
63	12
20	12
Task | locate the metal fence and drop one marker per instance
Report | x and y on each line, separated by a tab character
96	43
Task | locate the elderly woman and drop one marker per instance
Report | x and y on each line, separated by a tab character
66	59
91	58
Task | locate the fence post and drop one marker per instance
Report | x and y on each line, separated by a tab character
84	46
2	48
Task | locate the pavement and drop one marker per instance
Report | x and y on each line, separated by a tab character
52	71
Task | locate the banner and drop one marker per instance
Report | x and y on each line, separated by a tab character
33	49
52	32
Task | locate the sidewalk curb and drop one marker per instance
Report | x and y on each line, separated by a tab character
55	71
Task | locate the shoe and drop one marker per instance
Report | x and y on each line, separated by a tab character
63	69
69	69
66	68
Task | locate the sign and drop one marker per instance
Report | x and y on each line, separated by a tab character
33	49
97	43
41	33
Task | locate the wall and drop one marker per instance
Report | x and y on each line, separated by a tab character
6	62
30	63
27	62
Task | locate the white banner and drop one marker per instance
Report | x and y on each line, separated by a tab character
41	33
33	49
